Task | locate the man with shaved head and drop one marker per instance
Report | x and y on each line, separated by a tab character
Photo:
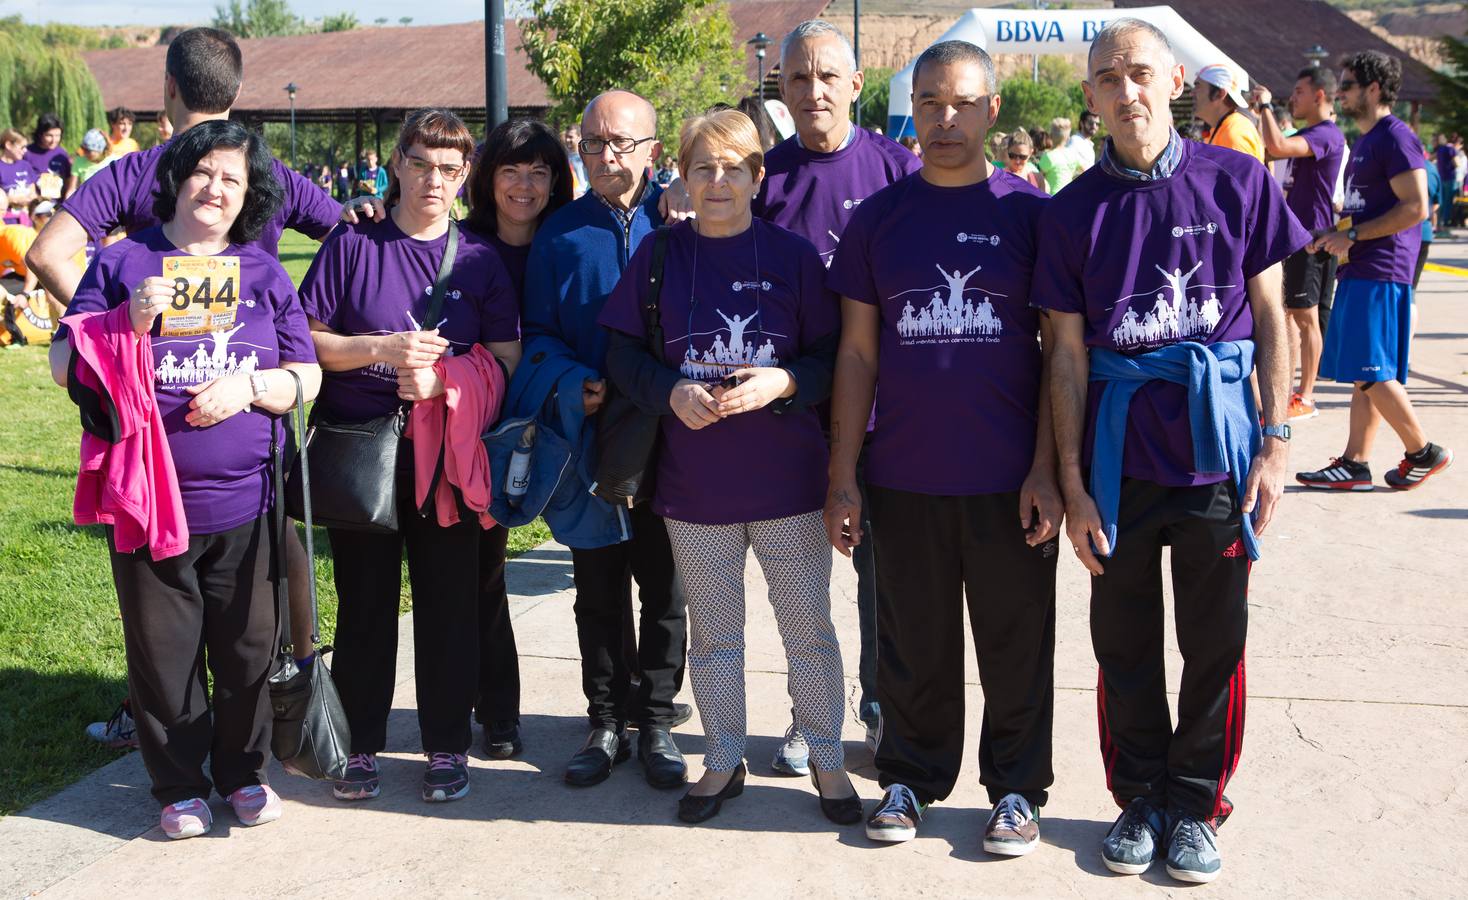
576	259
1161	271
814	182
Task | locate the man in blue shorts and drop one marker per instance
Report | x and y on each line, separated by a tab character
1371	323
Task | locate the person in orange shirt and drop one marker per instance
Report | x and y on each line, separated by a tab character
1218	100
19	289
121	140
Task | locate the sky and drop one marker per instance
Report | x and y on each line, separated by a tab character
200	12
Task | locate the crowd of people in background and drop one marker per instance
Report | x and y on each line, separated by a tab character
825	298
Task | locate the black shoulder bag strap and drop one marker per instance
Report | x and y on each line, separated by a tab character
652	316
282	583
430	322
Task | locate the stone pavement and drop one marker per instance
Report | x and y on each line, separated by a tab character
1354	777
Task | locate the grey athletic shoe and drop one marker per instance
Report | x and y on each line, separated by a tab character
1192	850
118	732
793	757
1131	844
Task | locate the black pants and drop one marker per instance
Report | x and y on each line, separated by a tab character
933	550
443	572
1187	766
1422	252
499	660
213	605
603	602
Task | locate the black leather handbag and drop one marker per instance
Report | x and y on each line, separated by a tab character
311	736
355	486
626	436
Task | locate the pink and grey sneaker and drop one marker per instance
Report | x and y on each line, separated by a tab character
256	804
360	782
447	777
186	819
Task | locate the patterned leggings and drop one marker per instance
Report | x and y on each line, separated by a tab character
796	559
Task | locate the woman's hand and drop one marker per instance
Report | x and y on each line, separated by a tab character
419	384
757	389
694	405
411	349
363	209
148	301
217	400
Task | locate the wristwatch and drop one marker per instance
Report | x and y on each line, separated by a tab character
1278	431
1351	235
258	386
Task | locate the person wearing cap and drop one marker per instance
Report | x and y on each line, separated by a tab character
1218	99
93	155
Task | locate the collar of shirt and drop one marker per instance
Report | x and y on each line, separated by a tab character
1165	165
624	216
850	136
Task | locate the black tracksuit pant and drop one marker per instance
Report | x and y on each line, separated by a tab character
499	660
931	551
214	605
443	572
603	579
1184	767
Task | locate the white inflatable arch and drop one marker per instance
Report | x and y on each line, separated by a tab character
1054	31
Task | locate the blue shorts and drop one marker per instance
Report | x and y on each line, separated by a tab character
1370	332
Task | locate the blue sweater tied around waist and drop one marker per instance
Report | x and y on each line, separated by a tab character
1221	415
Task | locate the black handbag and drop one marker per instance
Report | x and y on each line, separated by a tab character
626	436
357	462
311	736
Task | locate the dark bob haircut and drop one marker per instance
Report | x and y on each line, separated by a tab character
263	193
45	123
510	144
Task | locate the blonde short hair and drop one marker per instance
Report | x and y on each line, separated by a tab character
723	130
11	136
1059	130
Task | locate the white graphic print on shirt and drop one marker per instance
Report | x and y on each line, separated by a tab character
720	357
1175	318
954	319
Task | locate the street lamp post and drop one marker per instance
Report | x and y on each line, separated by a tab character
290	90
759	42
496	89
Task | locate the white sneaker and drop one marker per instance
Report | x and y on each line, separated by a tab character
186	819
793	757
256	804
118	732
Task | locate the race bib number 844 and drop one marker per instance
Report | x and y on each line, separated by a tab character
205	291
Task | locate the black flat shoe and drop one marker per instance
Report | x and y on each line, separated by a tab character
845	811
682	712
693	809
502	739
603	749
662	763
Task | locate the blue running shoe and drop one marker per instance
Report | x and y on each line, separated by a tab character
1131	844
793	757
1192	850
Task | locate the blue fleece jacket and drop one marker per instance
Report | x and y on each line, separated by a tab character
576	259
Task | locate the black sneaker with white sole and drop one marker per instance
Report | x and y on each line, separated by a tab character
1417	468
446	778
1341	475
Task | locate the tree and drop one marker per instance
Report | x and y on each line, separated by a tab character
875	94
1031	104
258	18
42	71
679	54
1452	85
342	21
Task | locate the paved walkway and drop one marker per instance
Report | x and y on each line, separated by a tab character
1354	777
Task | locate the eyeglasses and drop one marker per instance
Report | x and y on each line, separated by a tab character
421	167
1019	157
1347	84
619	145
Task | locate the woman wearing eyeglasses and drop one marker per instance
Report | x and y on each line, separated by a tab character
367	294
1018	150
750	333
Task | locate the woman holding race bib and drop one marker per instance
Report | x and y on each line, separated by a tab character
367	294
750	336
223	321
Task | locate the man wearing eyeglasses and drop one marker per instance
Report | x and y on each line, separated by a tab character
814	183
576	259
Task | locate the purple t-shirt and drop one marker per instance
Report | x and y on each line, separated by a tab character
958	366
13	175
1159	262
121	195
1381	154
1310	187
223	470
374	279
755	299
54	160
815	194
515	260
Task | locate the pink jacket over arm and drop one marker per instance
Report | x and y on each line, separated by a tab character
474	388
130	485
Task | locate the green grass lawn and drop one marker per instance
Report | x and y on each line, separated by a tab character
61	651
